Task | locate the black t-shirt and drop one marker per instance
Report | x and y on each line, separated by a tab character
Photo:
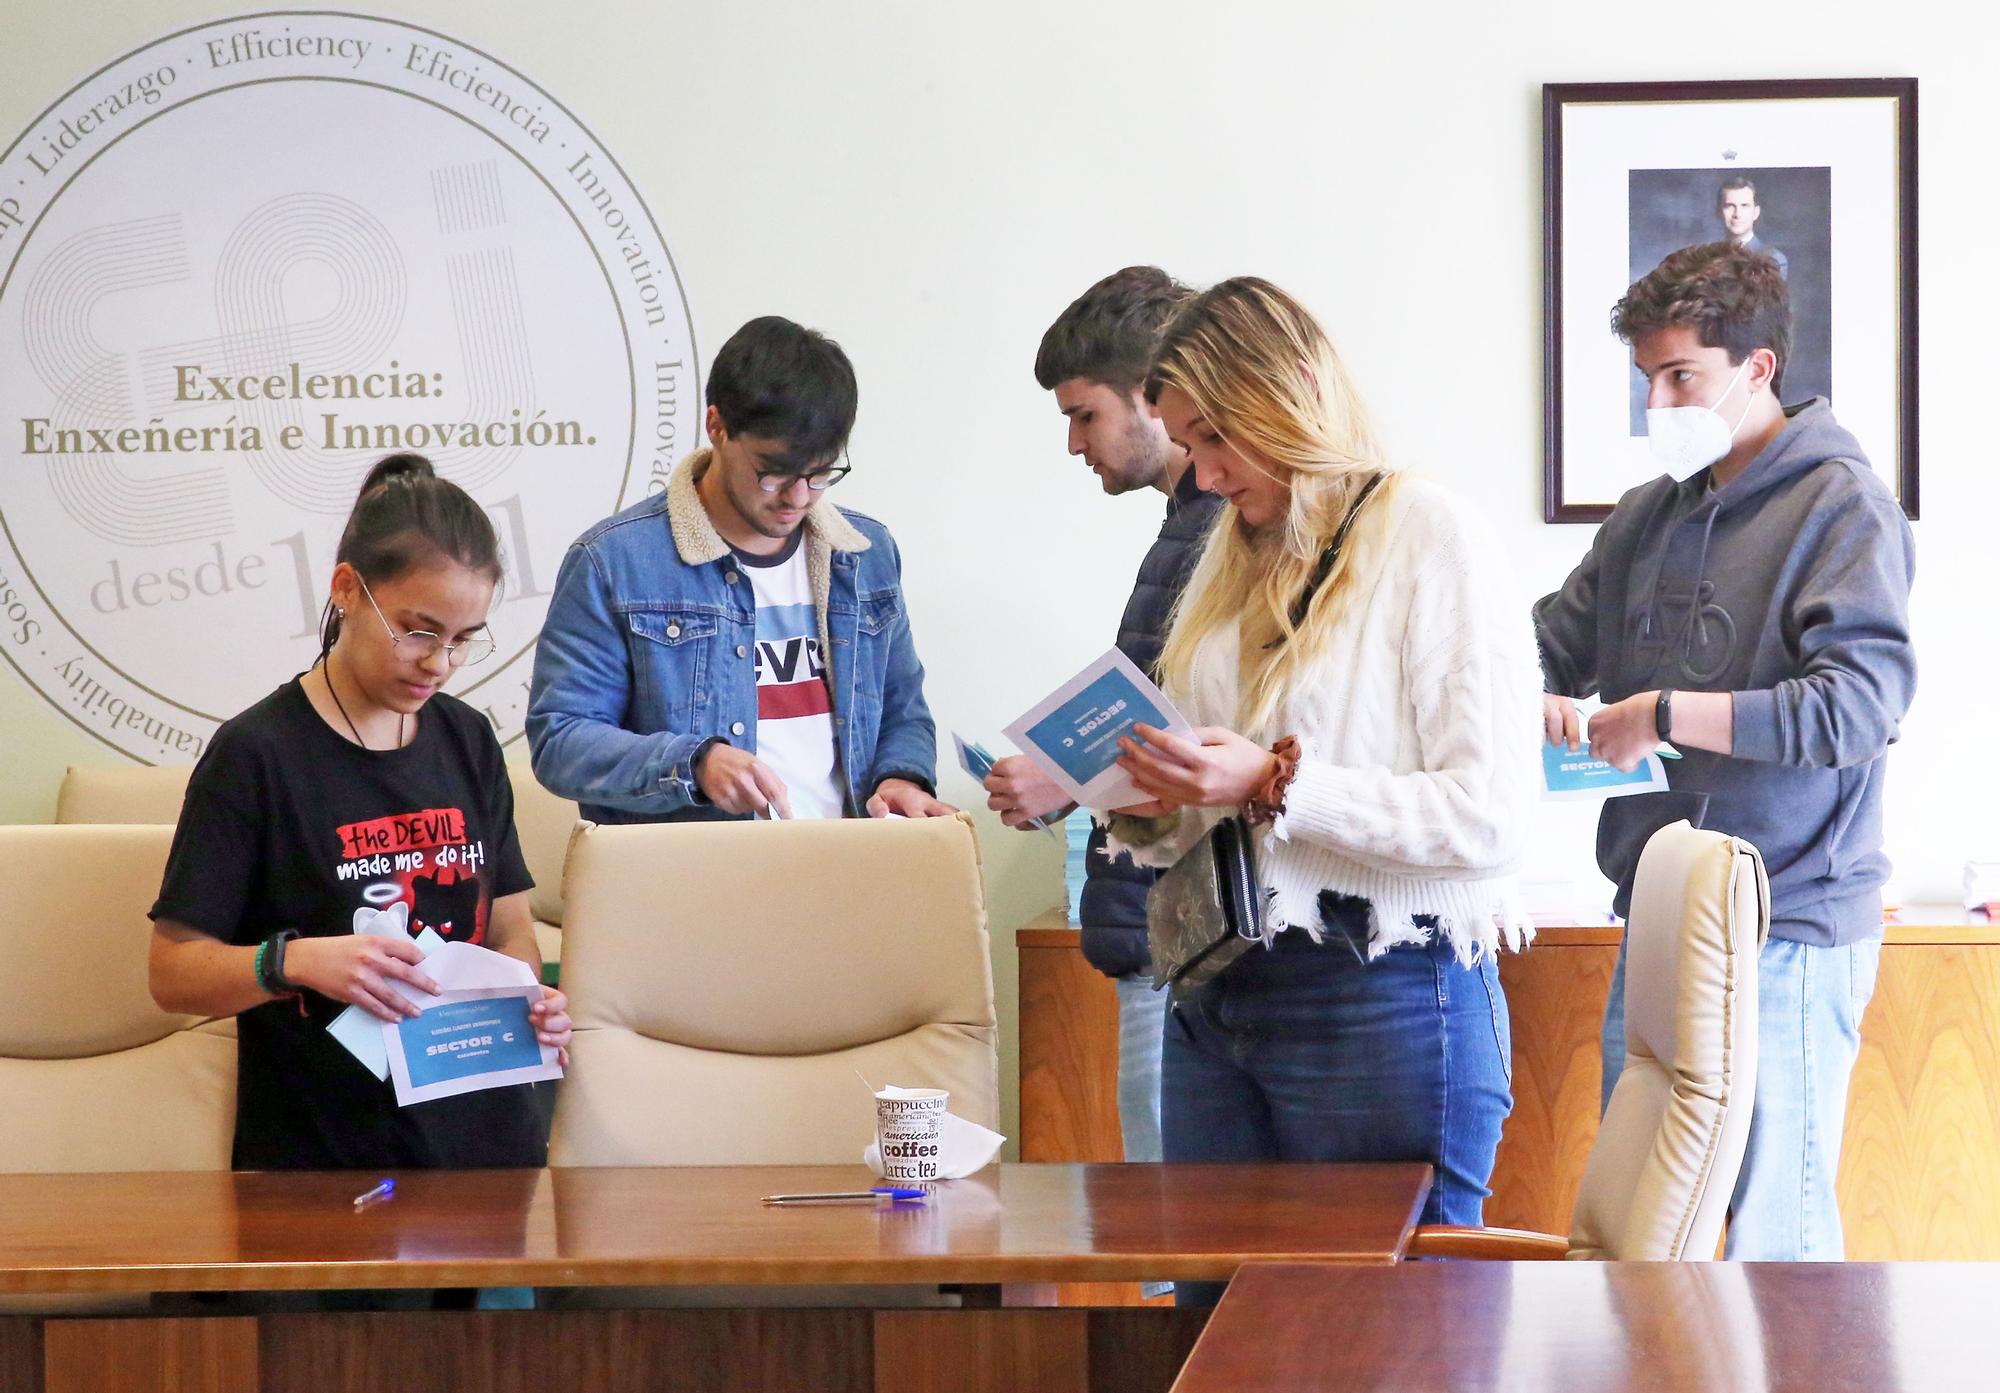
289	826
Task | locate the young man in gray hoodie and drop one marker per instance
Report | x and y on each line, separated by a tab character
1752	607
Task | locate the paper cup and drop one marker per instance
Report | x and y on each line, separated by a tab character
909	1129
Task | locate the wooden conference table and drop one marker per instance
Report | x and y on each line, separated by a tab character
101	1235
1607	1327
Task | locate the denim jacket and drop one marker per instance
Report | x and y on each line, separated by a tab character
648	652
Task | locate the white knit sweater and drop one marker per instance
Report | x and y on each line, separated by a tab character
1420	723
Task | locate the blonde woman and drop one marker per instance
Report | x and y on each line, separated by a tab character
1381	729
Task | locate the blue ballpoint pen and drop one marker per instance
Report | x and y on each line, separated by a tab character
895	1194
384	1191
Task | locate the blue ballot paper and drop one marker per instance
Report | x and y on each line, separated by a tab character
1073	733
1570	777
467	1041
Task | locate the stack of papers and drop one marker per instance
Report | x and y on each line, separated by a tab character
475	1033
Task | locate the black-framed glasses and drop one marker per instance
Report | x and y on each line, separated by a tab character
421	645
819	481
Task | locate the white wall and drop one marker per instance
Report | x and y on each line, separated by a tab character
932	183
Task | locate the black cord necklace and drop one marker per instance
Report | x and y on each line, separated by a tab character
326	671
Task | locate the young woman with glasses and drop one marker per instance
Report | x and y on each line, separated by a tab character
358	787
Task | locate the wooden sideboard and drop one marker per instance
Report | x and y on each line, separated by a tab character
1920	1169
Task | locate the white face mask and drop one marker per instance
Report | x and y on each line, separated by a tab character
1687	439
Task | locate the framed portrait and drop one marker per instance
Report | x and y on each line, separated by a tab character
1820	174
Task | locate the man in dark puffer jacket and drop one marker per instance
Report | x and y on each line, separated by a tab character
1094	358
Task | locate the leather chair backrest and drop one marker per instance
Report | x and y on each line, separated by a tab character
732	984
133	793
1659	1178
544	823
97	1077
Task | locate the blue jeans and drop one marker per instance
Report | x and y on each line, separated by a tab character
1809	1006
1306	1053
1141	1014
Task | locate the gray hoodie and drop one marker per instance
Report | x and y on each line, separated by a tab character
1790	588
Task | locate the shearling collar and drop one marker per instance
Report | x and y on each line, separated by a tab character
698	542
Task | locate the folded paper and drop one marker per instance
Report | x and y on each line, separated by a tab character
1072	734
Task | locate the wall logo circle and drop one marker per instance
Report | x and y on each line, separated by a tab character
242	263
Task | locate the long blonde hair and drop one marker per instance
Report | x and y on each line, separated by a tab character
1264	375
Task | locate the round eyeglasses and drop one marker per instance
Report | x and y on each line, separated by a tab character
421	645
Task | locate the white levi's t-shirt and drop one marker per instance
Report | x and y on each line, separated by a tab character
794	703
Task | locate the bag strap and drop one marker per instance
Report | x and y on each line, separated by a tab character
1328	558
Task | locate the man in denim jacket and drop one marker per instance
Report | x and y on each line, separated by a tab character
738	646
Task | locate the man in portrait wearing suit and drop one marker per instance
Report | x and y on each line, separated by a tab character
1736	205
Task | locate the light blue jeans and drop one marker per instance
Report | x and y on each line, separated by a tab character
1142	1012
1809	1007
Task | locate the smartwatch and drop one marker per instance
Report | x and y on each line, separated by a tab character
1663	715
271	964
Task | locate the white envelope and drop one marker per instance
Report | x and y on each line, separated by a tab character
361	1030
459	967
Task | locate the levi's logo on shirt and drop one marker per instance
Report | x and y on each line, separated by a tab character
791	671
795	735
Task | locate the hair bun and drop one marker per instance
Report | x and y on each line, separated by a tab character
402	466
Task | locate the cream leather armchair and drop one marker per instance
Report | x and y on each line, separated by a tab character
1664	1165
732	983
97	1077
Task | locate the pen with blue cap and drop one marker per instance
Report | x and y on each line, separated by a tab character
385	1190
895	1194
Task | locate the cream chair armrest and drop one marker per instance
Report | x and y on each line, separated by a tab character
1501	1245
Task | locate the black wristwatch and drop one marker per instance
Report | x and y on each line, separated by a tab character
694	766
1663	715
271	964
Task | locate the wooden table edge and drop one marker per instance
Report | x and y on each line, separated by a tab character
1208	1329
1410	1221
907	1271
